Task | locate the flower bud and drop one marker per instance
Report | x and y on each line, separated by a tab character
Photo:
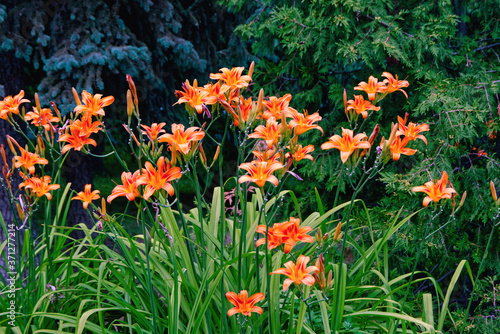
464	195
318	236
250	70
336	236
37	103
75	95
131	85
130	104
493	191
56	110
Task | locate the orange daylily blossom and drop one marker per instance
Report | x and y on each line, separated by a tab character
40	186
398	147
435	190
268	155
85	127
360	106
273	241
372	87
243	304
291	233
75	140
44	118
93	104
156	179
302	123
301	153
393	84
270	133
216	90
346	144
275	106
87	196
10	105
194	97
412	130
297	273
128	188
153	131
244	110
232	77
260	172
28	160
181	138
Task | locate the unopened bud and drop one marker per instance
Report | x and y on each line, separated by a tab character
37	103
20	212
345	102
11	141
374	134
217	152
260	100
103	206
464	195
336	236
203	157
56	110
325	237
130	104
75	95
131	85
318	235
4	156
493	191
250	70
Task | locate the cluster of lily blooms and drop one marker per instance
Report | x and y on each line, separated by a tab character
279	131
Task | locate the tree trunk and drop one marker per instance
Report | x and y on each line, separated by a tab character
11	81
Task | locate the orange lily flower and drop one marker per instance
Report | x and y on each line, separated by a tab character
10	105
194	97
435	190
275	106
291	233
304	122
412	130
244	110
398	147
269	155
87	196
85	127
360	106
28	160
92	105
243	304
273	240
45	118
260	172
270	133
232	77
158	179
215	90
40	186
153	131
128	188
372	87
181	138
394	84
75	140
346	144
301	153
297	273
